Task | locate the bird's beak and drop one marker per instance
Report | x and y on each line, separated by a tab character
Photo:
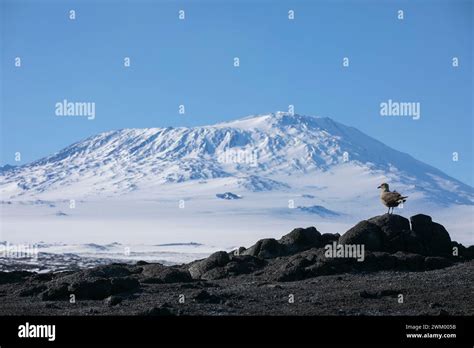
379	186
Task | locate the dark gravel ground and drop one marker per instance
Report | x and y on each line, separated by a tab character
447	291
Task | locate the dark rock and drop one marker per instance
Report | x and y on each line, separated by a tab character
240	251
408	261
397	235
159	311
301	239
94	289
55	292
198	268
378	294
108	271
237	252
328	238
32	290
367	233
43	276
14	277
392	233
243	264
436	262
215	273
204	297
120	285
377	261
391	224
420	221
228	195
142	263
265	249
463	253
237	265
112	300
156	273
434	237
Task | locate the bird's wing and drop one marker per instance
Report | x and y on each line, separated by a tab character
392	197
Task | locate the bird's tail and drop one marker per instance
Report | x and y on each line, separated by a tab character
403	199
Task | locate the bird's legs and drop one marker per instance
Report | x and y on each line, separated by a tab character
388	212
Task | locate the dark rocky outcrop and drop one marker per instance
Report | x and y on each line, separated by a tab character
367	233
198	269
92	284
300	239
392	233
268	248
220	265
391	243
433	237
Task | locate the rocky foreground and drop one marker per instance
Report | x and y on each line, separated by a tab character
408	268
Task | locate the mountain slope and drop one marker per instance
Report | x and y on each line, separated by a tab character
257	153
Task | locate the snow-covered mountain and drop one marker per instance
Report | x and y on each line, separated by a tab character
258	153
221	186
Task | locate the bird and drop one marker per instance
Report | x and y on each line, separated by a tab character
390	199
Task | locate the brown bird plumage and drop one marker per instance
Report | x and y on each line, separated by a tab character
390	199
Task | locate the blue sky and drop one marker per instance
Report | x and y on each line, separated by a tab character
283	62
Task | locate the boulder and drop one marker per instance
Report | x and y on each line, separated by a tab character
265	249
237	252
157	273
93	289
391	224
243	264
397	235
298	240
392	233
433	236
301	239
108	271
460	252
367	233
198	268
125	284
237	265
